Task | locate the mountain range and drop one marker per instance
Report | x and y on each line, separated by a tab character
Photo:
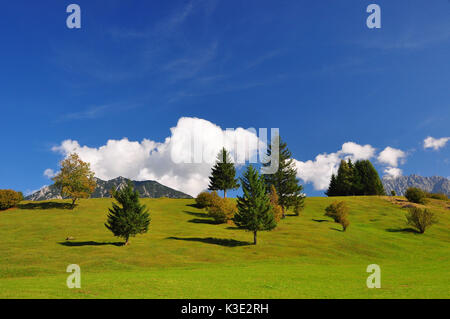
146	189
434	184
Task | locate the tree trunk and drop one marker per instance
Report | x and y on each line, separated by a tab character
282	210
224	193
127	242
73	202
254	237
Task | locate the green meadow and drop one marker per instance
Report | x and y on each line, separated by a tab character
186	255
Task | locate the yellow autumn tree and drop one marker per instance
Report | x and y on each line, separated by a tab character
276	208
75	180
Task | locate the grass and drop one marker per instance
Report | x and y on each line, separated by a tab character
186	255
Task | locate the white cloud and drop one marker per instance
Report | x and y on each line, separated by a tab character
49	173
393	172
435	143
357	152
391	156
169	162
319	171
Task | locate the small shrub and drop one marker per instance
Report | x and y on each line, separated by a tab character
9	198
222	210
338	210
276	208
420	218
415	195
204	199
393	193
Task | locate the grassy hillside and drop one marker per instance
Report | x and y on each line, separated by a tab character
185	255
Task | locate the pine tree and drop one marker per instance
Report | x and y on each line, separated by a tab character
254	209
344	179
369	180
130	219
285	180
332	188
360	178
223	174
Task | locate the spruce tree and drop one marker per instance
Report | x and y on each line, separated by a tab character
360	178
344	179
285	180
332	188
131	217
223	174
369	180
254	208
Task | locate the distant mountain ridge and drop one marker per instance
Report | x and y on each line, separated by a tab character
146	189
433	184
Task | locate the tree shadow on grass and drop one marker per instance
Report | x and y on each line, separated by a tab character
89	243
45	205
194	205
320	220
203	221
402	230
337	229
215	241
196	214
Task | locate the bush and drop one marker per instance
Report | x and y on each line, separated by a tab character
415	195
420	218
204	199
393	193
437	196
222	210
9	198
338	210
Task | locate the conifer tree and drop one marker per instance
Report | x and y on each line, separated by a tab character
369	180
332	188
223	174
360	178
285	180
131	217
254	208
344	179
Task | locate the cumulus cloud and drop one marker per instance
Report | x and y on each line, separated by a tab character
319	171
183	161
393	172
357	152
435	143
49	173
391	156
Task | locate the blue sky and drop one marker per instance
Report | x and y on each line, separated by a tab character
311	68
